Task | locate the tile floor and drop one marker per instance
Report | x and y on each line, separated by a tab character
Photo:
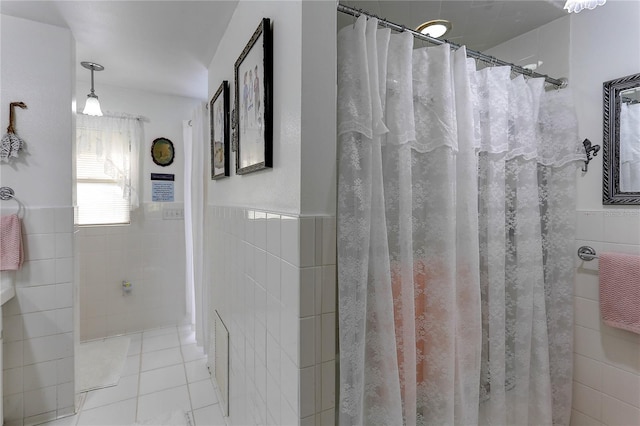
165	371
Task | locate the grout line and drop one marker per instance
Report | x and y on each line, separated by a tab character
186	376
139	376
83	398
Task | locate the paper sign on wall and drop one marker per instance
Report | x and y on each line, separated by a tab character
162	188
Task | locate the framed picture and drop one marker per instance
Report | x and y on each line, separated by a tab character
219	121
253	102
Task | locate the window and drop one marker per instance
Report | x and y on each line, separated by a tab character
106	169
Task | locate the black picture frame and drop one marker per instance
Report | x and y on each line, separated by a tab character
253	97
162	152
219	127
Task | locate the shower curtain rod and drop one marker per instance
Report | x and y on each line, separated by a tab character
559	83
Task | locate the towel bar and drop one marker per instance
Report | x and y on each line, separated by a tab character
587	253
6	193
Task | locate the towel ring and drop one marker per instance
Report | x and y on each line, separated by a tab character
7	193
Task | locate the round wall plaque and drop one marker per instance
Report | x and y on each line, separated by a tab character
162	151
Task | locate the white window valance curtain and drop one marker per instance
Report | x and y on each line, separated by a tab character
455	237
114	142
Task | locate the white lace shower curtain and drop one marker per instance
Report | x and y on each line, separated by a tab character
455	215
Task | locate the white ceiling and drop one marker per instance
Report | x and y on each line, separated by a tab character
478	24
167	46
161	46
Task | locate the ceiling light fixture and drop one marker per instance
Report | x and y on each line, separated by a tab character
577	5
92	107
436	28
533	66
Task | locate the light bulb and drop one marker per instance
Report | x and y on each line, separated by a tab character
92	107
435	31
435	28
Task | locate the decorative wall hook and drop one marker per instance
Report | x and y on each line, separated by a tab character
12	122
588	150
11	144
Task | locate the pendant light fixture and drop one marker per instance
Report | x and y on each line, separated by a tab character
577	5
92	107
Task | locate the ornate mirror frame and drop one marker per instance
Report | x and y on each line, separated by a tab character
611	193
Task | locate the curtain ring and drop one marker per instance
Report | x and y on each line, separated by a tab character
528	74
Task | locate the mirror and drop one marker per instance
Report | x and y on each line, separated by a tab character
621	153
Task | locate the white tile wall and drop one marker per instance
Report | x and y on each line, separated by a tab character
606	360
274	278
150	254
38	377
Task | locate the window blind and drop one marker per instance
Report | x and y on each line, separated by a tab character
106	147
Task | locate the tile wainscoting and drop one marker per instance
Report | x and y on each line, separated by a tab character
273	281
149	253
606	387
38	356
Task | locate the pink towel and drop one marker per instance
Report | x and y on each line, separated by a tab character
10	243
620	290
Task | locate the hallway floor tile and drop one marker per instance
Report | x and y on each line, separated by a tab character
164	371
